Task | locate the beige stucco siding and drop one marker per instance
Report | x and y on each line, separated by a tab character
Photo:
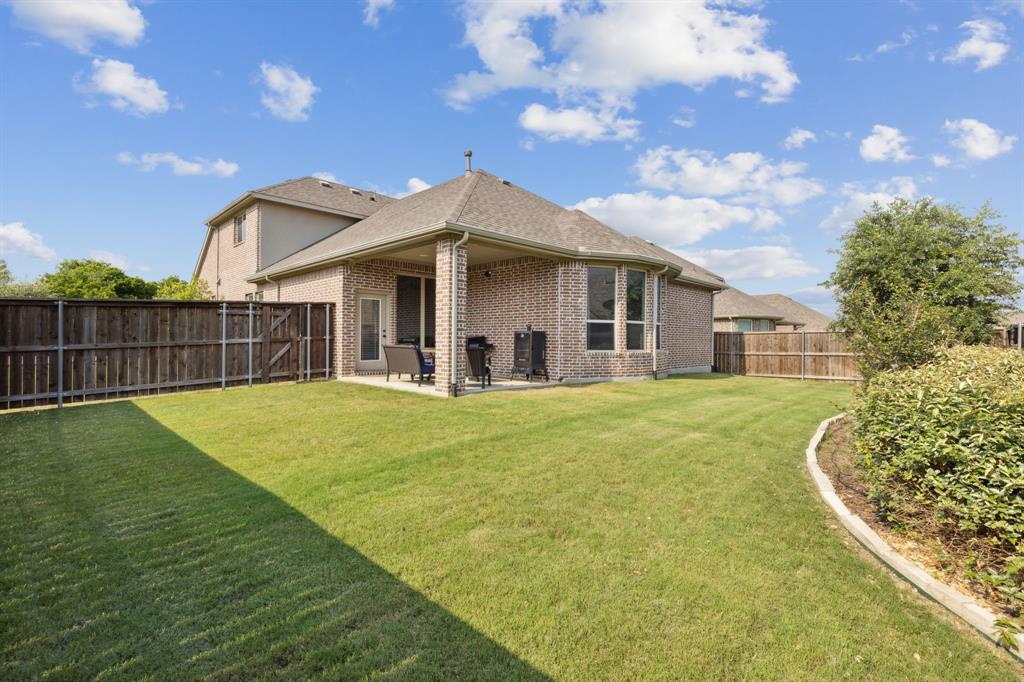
286	229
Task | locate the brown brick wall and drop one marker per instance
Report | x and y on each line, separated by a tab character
549	294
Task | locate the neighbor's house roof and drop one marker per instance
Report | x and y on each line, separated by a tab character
490	209
306	192
796	313
1011	318
733	303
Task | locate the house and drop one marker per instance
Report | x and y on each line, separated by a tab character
1009	330
798	317
476	255
737	311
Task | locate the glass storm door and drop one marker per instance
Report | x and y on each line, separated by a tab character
372	334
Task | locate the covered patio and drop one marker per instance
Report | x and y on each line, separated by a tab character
438	293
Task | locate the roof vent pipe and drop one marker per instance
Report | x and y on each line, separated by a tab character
469	162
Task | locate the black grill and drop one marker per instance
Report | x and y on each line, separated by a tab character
529	351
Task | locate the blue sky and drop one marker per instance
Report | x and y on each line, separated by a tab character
744	135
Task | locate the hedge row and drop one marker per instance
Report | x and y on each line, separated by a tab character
943	451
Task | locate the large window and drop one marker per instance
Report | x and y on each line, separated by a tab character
747	325
241	231
600	308
636	301
414	304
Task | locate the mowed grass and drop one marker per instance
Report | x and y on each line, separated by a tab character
615	531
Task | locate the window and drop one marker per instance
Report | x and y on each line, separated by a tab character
744	325
659	311
241	232
600	308
414	309
254	296
636	301
764	325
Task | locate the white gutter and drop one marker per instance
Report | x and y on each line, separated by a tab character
453	362
657	318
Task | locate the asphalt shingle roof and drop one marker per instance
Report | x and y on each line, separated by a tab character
483	200
333	195
794	311
736	303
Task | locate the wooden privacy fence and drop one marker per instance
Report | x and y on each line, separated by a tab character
791	355
78	350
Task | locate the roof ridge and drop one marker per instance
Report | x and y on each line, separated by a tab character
467	192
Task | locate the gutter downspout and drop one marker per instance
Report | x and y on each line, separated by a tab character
657	319
266	278
454	362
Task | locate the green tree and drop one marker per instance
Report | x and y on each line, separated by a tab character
915	277
177	289
12	288
95	279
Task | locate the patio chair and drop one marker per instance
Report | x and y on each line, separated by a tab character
478	367
407	359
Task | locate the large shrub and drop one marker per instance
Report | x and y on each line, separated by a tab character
942	446
915	277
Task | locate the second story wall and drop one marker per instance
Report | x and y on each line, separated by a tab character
286	229
227	262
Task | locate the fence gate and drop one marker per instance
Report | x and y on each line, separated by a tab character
53	352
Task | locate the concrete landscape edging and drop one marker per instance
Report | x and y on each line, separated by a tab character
963	605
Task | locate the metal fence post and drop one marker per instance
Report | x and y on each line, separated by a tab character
223	345
250	345
60	353
309	308
327	341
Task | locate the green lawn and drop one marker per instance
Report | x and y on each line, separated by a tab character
629	530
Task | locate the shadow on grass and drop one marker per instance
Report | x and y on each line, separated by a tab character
128	551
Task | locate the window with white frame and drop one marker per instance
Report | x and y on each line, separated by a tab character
744	325
600	308
659	297
241	231
636	302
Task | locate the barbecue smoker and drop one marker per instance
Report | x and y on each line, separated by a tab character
529	352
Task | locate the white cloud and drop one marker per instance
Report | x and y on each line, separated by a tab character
986	44
600	55
671	220
417	185
906	38
798	137
77	25
179	166
747	176
125	89
940	160
372	10
858	199
326	176
287	95
579	124
118	261
978	140
885	144
16	239
752	262
686	117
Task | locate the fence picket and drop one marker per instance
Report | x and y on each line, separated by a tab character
152	346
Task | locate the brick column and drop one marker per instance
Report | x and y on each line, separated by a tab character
443	316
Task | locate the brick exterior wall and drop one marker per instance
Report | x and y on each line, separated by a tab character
443	380
226	264
549	294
